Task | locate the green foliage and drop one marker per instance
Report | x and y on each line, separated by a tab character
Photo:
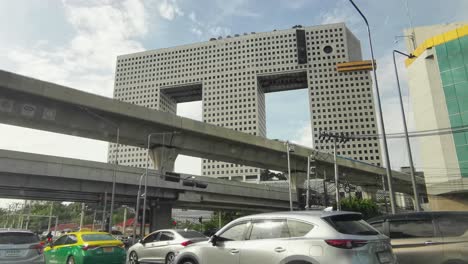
66	212
213	223
266	175
367	207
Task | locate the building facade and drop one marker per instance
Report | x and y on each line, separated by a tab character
438	80
231	76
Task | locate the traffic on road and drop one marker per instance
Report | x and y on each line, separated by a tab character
303	237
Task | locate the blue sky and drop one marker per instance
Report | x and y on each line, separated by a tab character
75	43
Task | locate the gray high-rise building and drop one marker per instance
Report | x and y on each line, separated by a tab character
231	76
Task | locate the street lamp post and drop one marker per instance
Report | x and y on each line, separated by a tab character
379	105
337	185
417	206
289	148
137	209
114	179
308	184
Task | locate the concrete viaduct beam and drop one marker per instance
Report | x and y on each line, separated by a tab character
42	105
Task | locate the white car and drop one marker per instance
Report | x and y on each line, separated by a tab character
162	245
304	237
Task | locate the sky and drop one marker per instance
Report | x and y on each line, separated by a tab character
76	42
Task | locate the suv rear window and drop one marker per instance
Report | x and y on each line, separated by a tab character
18	238
351	224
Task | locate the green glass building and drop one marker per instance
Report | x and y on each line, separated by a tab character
438	81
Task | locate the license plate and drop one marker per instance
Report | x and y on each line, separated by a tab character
108	249
12	253
384	257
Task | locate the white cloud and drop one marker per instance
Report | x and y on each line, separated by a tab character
102	31
342	12
168	9
294	4
304	136
235	8
206	30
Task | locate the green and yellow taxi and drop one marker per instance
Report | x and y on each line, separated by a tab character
85	248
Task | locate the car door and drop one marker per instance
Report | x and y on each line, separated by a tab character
267	242
51	253
453	228
146	251
227	247
163	246
414	240
64	250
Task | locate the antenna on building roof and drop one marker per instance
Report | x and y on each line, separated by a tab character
413	34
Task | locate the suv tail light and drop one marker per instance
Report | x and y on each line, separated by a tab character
88	247
346	243
38	247
186	243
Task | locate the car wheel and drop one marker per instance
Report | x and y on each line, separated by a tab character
170	258
187	261
133	258
71	260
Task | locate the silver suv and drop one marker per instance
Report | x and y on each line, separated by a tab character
293	238
20	247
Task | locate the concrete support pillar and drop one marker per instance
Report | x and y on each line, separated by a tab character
160	216
163	158
297	183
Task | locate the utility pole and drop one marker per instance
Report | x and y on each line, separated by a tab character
50	216
29	213
343	138
124	220
385	194
104	212
56	223
379	108
337	185
94	219
219	219
289	148
325	191
82	215
308	184
417	206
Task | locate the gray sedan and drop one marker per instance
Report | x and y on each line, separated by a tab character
161	246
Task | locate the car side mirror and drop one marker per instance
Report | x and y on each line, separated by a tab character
214	239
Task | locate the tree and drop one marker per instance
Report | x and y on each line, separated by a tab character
226	217
367	207
266	175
